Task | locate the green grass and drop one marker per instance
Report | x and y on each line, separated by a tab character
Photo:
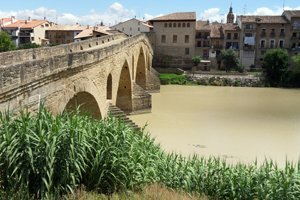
46	157
174	79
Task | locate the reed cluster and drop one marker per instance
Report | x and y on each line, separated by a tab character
44	156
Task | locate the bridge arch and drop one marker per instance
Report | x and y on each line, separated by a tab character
86	103
124	94
140	77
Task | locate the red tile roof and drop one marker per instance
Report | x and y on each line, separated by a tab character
203	26
25	24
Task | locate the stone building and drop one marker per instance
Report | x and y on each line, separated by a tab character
63	34
260	33
132	27
28	31
174	39
249	36
91	32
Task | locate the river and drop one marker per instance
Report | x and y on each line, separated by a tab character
238	124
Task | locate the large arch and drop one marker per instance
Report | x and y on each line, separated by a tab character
140	77
86	103
109	87
124	94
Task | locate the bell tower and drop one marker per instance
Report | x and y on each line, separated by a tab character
230	16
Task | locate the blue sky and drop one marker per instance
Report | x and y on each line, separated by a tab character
112	11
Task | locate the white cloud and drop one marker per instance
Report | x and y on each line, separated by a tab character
114	13
149	16
212	14
269	11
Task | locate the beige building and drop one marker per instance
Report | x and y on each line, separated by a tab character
92	32
132	27
174	39
63	34
28	31
293	16
7	21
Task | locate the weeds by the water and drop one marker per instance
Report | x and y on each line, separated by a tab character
46	156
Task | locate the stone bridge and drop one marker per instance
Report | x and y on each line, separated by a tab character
93	74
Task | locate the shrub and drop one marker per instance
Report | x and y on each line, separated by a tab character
6	44
196	60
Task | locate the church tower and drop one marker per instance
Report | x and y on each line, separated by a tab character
230	16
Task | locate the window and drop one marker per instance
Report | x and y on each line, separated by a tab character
174	25
139	29
263	32
170	24
188	25
123	29
187	51
186	38
249	26
139	23
281	44
236	36
263	43
198	43
166	25
47	25
130	28
272	43
228	36
174	38
163	39
183	25
179	25
294	34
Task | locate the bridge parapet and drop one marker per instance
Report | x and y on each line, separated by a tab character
19	56
15	77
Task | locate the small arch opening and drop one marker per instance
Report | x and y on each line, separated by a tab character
90	46
81	48
109	87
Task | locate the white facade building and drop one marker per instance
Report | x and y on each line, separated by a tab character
132	27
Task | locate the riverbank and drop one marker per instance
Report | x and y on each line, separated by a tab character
233	80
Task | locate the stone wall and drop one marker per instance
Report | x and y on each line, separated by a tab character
12	57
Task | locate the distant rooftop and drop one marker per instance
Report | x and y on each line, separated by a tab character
262	19
292	13
142	22
179	16
26	24
67	28
203	25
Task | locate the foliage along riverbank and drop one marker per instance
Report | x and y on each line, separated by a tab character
211	80
46	156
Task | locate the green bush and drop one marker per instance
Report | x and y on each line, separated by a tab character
6	44
29	46
196	60
174	79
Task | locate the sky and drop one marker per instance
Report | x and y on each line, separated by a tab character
110	12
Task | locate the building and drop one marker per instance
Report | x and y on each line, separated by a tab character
260	33
174	39
7	21
132	27
90	32
293	17
28	31
63	34
175	42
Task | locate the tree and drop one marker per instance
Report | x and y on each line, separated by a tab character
230	60
5	42
196	60
275	65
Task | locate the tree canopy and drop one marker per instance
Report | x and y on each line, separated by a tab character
6	44
275	64
230	60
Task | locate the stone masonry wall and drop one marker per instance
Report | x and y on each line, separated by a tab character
12	57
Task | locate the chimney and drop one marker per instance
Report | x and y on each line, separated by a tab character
44	18
29	19
26	21
207	22
12	19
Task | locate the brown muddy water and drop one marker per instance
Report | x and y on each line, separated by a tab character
239	124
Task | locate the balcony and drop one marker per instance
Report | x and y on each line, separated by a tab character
26	34
248	48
